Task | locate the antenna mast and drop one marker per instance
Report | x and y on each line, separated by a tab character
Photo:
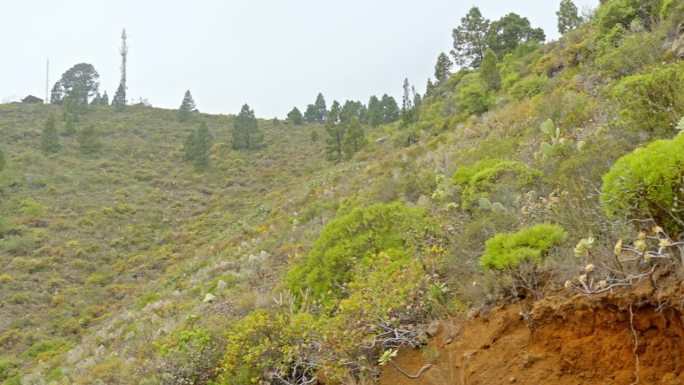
124	52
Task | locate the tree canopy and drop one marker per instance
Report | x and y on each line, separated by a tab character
568	16
245	130
79	83
186	108
295	117
471	39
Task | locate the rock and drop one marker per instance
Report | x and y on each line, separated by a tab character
264	255
221	286
209	298
511	380
380	140
434	328
423	200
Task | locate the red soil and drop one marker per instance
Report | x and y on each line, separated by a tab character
566	340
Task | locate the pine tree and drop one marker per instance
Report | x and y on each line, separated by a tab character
119	99
374	116
87	140
198	147
105	99
186	108
471	39
568	16
310	114
49	141
354	138
489	72
97	100
245	130
442	68
320	108
390	109
295	117
335	131
429	88
512	30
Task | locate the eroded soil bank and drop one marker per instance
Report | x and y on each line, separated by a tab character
564	340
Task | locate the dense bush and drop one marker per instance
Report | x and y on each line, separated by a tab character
529	87
480	179
508	251
472	96
631	54
648	184
652	102
353	238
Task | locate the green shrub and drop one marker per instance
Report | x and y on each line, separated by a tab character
647	183
672	9
480	179
354	238
652	102
6	367
616	12
631	54
507	251
529	87
472	96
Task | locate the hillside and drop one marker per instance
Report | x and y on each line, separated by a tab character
510	210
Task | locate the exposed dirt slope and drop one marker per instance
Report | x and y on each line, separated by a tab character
567	340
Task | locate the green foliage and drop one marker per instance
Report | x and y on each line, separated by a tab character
652	102
672	9
87	139
471	39
630	54
489	71
49	140
69	124
616	12
390	109
507	251
295	117
529	87
442	68
187	107
354	238
478	180
76	85
246	134
568	17
472	96
6	368
555	144
335	130
648	183
198	146
119	100
511	31
354	138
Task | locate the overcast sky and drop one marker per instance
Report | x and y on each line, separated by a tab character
271	54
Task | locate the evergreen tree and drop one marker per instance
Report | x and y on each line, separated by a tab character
295	117
443	68
49	141
105	99
119	99
374	115
470	39
335	131
352	109
78	83
314	135
407	98
186	108
429	88
512	30
87	140
310	114
390	109
97	100
245	130
354	138
489	72
568	16
320	108
198	147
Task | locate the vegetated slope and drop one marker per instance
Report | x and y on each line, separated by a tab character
336	291
565	340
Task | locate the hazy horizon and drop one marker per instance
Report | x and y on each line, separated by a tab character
272	55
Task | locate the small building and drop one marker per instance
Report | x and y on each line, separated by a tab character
32	100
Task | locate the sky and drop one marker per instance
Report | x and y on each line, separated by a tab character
270	54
